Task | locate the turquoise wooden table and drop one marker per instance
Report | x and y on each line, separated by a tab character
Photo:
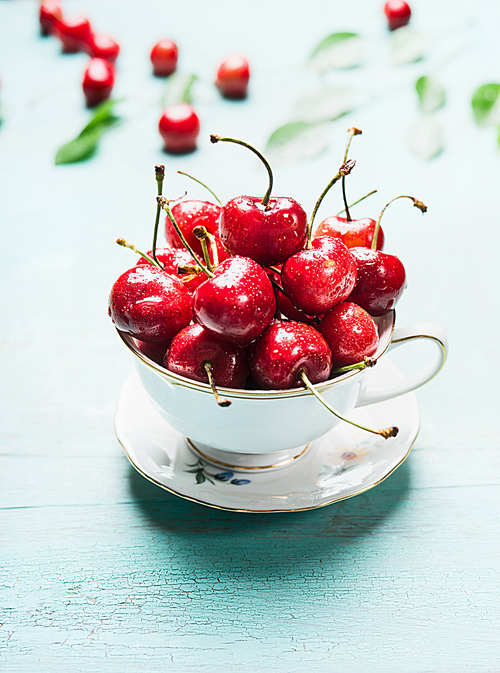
101	569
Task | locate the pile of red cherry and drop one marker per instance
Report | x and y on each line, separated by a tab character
246	295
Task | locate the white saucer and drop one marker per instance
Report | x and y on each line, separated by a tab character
339	465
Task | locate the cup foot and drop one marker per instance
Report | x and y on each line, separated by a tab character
247	461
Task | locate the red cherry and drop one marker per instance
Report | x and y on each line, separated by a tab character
283	350
381	280
49	11
354	233
398	13
74	34
155	352
179	127
268	230
188	215
317	279
232	77
172	259
149	304
268	234
193	346
164	58
350	332
103	46
238	303
98	81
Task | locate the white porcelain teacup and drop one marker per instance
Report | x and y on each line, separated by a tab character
270	428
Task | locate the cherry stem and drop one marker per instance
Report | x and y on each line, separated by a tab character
275	269
345	169
418	204
201	234
160	176
215	252
164	203
385	432
221	401
267	195
350	134
358	201
367	362
130	246
203	185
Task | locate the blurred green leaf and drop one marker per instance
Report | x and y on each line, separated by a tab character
325	103
178	89
485	104
408	45
297	140
103	116
426	138
337	51
431	94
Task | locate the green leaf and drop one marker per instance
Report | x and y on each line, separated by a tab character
178	89
200	478
297	140
337	51
324	104
431	94
80	148
408	45
426	138
103	116
485	104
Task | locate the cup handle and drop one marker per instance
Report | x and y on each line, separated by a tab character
369	394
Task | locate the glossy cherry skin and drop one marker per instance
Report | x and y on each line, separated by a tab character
179	127
398	13
164	57
103	46
350	332
233	76
49	11
283	350
172	259
74	34
193	346
354	234
269	235
381	280
155	352
149	304
238	303
188	215
316	280
98	81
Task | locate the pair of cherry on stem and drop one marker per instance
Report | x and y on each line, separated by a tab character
235	306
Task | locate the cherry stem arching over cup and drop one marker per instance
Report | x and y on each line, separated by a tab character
374	191
418	204
201	234
384	432
165	204
130	246
267	195
350	134
221	401
344	170
160	177
191	177
367	362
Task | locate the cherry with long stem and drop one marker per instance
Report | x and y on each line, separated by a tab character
201	234
418	204
160	177
344	170
221	401
350	134
267	195
203	185
384	432
374	191
165	204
